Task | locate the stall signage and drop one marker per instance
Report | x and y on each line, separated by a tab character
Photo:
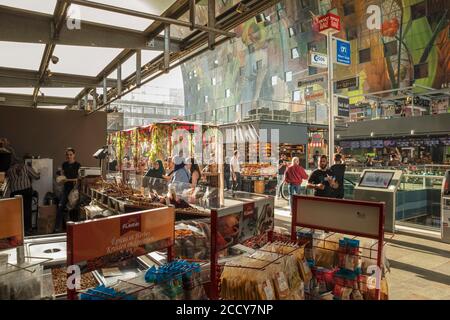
347	83
318	60
343	52
343	107
95	244
316	95
310	82
11	223
329	23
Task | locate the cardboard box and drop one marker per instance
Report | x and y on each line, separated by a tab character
46	219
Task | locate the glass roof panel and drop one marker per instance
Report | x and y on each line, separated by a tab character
21	55
61	92
52	107
17	90
87	61
123	20
43	6
129	66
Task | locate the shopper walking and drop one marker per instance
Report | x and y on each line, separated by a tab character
180	174
236	171
294	176
20	176
338	172
70	171
322	180
282	165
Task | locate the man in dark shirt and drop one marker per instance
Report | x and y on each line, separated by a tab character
338	172
321	179
70	170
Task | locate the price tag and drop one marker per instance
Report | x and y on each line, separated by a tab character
268	290
282	282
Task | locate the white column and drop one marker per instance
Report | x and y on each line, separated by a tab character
330	98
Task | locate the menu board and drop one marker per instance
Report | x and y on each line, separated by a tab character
345	144
354	144
376	179
390	143
365	144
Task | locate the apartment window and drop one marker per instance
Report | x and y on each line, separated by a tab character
216	63
206	99
390	48
227	93
312	70
160	111
241	71
259	65
294	53
364	55
180	112
296	95
198	87
213	81
195	73
291	31
173	112
274	80
251	48
349	8
288	76
236	108
418	10
421	70
352	33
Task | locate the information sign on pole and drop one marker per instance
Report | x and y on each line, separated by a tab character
343	52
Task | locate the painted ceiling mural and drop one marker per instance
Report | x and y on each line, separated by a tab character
395	43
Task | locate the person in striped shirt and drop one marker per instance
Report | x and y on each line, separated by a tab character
20	176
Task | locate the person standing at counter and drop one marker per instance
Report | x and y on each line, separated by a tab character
282	165
70	171
20	176
338	172
321	179
156	171
294	176
235	171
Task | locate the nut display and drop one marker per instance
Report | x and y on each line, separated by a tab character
59	276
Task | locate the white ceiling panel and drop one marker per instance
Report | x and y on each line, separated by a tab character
21	55
129	66
61	92
16	90
88	61
42	6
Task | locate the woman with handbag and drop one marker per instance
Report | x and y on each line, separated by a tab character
70	171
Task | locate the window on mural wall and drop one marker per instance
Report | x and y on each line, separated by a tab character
418	10
390	48
349	8
288	76
291	31
364	55
294	53
306	26
251	48
259	65
274	80
213	81
421	70
206	99
227	93
296	95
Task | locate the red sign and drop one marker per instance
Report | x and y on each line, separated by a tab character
329	23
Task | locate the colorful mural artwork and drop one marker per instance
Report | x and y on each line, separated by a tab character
395	44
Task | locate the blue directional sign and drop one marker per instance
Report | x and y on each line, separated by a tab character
343	52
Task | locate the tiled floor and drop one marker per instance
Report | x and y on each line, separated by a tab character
419	267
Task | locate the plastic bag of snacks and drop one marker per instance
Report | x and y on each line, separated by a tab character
348	255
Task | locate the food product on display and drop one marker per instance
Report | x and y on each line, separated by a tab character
104	293
59	276
192	240
270	273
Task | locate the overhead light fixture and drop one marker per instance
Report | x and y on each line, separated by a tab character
372	134
412	132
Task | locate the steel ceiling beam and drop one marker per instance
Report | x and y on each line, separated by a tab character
18	78
149	16
59	17
25	100
18	25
